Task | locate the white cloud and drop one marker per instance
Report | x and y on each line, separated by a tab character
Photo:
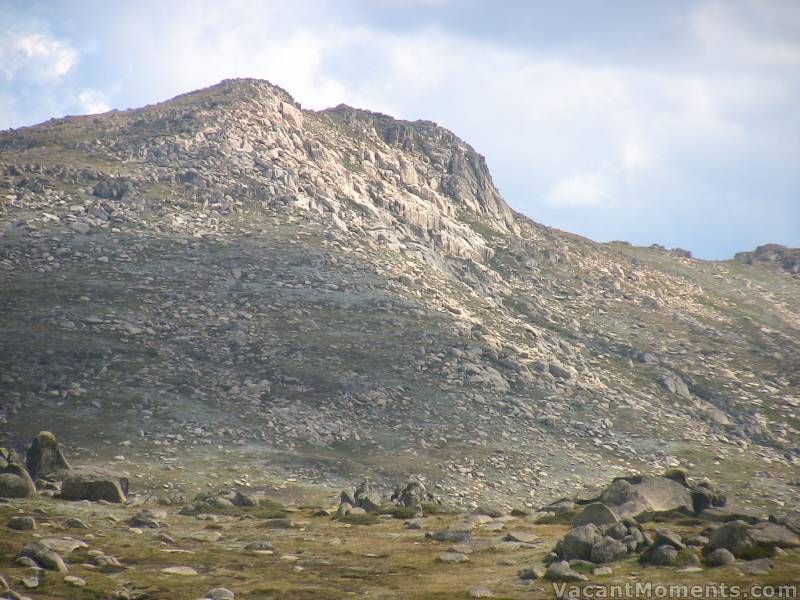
737	32
581	190
93	102
636	155
35	56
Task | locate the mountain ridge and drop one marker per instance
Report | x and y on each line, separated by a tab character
348	288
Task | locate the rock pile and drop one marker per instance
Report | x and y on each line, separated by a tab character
608	527
366	498
45	462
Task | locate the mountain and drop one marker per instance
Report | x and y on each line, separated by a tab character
339	293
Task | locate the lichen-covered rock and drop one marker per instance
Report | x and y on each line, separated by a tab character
367	497
578	543
595	513
15	482
94	486
720	557
45	456
664	556
607	550
751	541
44	557
646	496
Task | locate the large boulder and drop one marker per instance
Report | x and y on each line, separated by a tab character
578	543
751	541
367	497
705	496
413	494
607	550
664	556
647	496
595	513
45	456
43	556
94	485
15	482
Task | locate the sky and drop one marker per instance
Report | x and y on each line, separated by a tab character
667	121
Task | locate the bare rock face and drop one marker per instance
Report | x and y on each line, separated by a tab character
94	485
45	456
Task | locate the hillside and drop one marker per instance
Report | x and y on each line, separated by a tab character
225	278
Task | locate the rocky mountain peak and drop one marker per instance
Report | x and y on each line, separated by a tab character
349	289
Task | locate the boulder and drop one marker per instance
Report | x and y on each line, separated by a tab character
43	556
607	550
22	523
45	456
760	566
678	475
94	486
529	573
721	515
15	482
644	497
750	541
706	496
453	558
450	535
367	497
111	188
668	538
245	500
720	557
578	543
624	499
664	556
411	495
595	513
766	533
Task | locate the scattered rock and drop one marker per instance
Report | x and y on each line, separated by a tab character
43	556
524	537
534	572
22	523
74	581
179	570
453	558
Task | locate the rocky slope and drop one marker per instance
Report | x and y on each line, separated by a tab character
338	293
